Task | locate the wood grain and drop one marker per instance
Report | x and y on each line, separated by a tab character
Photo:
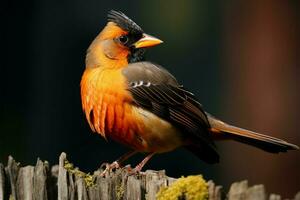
65	182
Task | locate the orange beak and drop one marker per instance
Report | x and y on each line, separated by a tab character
147	41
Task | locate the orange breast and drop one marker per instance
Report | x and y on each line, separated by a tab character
107	106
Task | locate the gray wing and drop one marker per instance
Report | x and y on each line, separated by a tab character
155	89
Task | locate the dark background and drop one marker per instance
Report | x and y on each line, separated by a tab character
241	58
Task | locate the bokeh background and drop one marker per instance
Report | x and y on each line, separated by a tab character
241	58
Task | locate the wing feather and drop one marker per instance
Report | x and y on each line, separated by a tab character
155	89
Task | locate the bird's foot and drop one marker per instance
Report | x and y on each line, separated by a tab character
133	171
140	166
109	167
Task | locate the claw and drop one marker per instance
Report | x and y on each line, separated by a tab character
133	171
109	168
117	164
104	165
129	170
127	167
140	166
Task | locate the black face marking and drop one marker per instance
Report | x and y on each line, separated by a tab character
135	33
129	39
136	55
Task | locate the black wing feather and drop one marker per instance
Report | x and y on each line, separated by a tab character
156	90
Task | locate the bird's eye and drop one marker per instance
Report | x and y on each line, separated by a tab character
123	39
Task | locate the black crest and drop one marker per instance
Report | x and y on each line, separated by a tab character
123	21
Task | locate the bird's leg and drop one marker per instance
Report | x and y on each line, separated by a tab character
139	167
117	163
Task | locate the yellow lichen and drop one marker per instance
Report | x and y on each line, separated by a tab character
189	188
120	191
88	179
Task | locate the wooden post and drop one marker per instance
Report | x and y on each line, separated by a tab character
65	182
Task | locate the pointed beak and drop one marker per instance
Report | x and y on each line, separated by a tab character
147	41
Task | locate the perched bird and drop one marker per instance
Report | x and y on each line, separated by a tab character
141	105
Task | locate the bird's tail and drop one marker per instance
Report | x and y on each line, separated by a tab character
270	144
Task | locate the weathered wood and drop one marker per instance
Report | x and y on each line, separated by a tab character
81	189
153	182
238	190
62	179
12	171
134	188
65	182
297	196
52	181
215	191
2	181
25	183
40	180
274	197
241	191
256	192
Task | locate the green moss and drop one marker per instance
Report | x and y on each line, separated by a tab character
189	188
88	179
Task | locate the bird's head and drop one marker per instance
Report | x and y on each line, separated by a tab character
121	42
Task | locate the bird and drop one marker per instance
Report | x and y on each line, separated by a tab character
141	105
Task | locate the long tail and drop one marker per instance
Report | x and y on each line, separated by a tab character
270	144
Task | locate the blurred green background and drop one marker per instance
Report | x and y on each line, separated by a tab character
241	58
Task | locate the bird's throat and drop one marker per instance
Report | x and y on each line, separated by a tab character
136	55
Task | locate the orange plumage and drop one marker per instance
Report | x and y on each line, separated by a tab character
103	93
141	105
106	103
